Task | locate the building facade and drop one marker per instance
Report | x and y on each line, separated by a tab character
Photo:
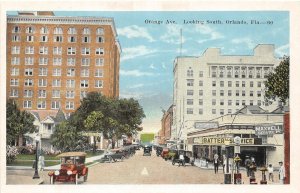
214	85
54	61
166	124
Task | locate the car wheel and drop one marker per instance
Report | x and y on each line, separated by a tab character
173	162
85	177
110	160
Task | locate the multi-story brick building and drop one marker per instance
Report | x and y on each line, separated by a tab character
53	62
214	85
166	124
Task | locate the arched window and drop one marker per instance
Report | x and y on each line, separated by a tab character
100	31
86	31
16	29
72	30
30	29
44	30
58	30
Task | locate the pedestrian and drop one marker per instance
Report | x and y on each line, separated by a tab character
216	163
181	160
247	165
224	163
281	173
270	171
41	163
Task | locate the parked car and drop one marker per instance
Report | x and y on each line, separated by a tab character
159	150
72	167
170	154
147	150
164	152
188	158
113	156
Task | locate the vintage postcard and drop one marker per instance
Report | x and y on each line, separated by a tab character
138	96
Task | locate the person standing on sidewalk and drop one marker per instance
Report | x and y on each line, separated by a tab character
281	173
247	165
270	171
216	163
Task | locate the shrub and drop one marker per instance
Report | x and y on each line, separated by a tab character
11	153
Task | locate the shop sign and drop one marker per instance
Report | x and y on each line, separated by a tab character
206	125
268	130
221	141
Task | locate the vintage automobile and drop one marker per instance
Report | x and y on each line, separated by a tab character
147	150
71	169
164	152
159	150
170	154
114	155
188	158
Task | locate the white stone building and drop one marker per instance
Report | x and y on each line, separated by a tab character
214	85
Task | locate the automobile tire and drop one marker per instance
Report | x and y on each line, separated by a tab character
110	160
85	177
173	162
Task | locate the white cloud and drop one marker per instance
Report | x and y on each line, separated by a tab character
152	66
127	95
135	31
135	73
136	86
206	30
163	65
249	42
133	52
282	50
173	35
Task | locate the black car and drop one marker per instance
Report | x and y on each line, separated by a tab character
114	156
147	150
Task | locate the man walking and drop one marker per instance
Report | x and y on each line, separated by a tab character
216	163
281	173
247	165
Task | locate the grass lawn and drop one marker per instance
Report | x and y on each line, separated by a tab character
32	157
30	163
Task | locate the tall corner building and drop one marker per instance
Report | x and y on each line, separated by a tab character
54	61
213	85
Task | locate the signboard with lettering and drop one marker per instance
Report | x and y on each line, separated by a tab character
268	130
206	125
222	141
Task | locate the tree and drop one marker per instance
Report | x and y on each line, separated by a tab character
18	123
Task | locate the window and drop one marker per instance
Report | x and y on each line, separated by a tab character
85	73
14	93
71	51
189	72
58	39
55	104
14	82
221	111
57	61
251	102
214	83
236	72
200	82
201	102
56	83
43	50
98	73
56	72
200	74
16	38
251	93
99	62
72	30
29	38
251	84
72	39
44	39
243	84
58	30
83	94
57	50
190	82
27	104
100	39
28	71
71	72
243	93
214	92
221	92
41	104
190	92
85	61
44	30
221	83
244	72
259	93
189	101
70	94
237	84
84	83
15	50
100	31
28	93
99	51
214	74
259	102
29	50
70	84
16	29
86	31
42	93
229	111
71	61
229	84
214	111
28	82
29	61
43	71
69	105
85	39
15	61
29	30
237	102
229	102
243	102
85	51
229	75
189	111
55	93
259	84
42	82
213	102
222	102
43	61
221	75
237	93
15	72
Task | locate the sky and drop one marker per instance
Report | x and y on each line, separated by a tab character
150	44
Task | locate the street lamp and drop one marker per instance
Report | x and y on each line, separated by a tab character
36	173
227	174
